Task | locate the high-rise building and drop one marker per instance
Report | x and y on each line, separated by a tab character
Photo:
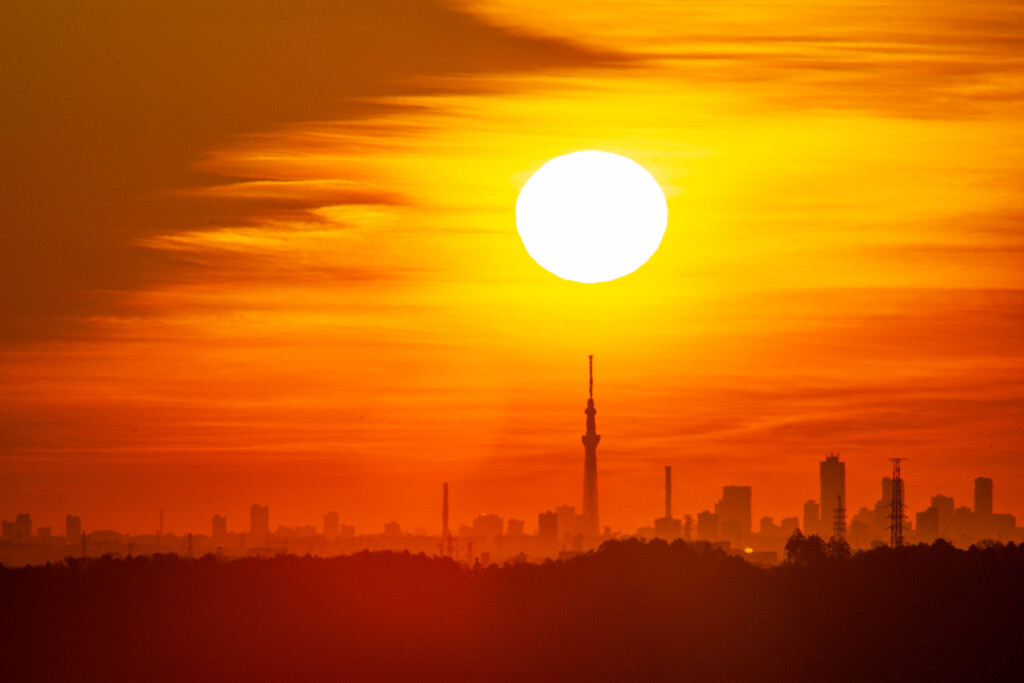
392	529
22	530
72	528
220	526
515	527
788	525
259	523
812	518
332	525
882	511
964	522
707	526
927	524
983	496
734	515
986	523
547	527
945	510
833	486
886	494
569	523
490	526
591	526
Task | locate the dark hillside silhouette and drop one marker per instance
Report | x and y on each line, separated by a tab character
629	611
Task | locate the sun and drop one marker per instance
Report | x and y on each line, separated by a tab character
591	216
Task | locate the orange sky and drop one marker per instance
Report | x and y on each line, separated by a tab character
264	251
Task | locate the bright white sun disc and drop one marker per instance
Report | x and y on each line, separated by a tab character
591	216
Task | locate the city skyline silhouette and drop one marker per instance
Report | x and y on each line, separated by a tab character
815	517
562	533
297	298
322	294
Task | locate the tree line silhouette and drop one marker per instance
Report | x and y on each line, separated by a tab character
632	610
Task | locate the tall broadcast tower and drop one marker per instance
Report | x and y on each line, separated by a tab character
591	526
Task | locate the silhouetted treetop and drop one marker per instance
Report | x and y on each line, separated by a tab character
631	610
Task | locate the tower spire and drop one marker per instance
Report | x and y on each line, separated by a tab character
591	357
591	526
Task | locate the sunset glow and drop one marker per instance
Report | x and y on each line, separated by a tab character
258	254
483	340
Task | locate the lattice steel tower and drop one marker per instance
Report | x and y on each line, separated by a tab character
687	527
591	525
896	506
839	520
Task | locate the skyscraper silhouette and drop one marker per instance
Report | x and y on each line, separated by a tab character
73	528
220	527
547	527
259	523
734	516
590	440
983	496
832	474
812	518
332	525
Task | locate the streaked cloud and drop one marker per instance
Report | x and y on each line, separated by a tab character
275	247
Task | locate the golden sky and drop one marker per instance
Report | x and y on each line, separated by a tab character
266	251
